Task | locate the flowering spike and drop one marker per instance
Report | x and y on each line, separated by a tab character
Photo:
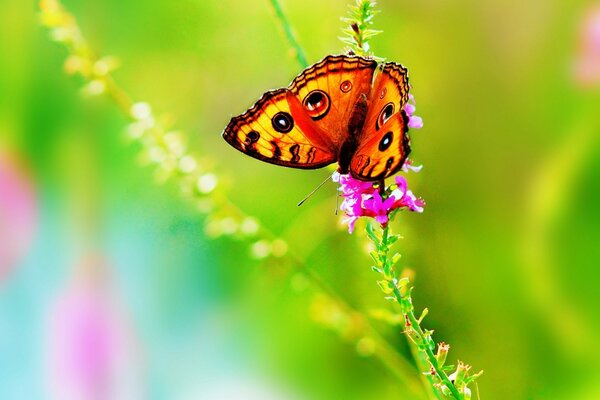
358	32
395	258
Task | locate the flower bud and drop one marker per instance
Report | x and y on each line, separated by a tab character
442	353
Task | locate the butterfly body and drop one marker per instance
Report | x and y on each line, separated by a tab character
344	108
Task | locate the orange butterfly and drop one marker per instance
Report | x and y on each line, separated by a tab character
344	108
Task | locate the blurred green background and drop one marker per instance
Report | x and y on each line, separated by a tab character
505	256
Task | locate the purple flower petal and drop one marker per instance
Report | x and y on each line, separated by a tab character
415	122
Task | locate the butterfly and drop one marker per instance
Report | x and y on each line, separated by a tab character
347	109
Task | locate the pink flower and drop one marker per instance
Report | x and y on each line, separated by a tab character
91	350
403	197
352	186
378	208
362	199
587	61
414	122
18	213
408	166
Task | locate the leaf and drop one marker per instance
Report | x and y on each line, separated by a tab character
378	270
472	378
386	286
376	257
371	233
423	315
402	282
393	238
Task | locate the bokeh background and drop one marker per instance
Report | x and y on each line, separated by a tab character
505	256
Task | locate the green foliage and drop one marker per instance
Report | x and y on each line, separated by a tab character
542	155
358	29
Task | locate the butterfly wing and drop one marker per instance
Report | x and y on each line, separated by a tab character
384	153
384	144
329	89
277	131
304	125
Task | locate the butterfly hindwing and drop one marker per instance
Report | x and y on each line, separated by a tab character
384	151
277	131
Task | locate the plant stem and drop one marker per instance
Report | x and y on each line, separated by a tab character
289	33
411	324
430	356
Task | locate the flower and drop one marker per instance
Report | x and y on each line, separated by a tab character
18	212
378	208
403	197
587	60
408	166
92	351
363	199
414	122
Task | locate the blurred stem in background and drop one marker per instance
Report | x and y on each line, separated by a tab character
166	150
290	34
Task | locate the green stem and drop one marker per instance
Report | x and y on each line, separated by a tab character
427	379
408	311
430	356
289	33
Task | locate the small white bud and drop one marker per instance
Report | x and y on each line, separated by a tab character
260	249
249	226
94	88
187	164
141	111
228	226
207	183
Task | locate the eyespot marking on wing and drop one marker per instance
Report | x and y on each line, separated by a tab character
251	137
282	122
389	163
386	141
346	86
386	113
317	104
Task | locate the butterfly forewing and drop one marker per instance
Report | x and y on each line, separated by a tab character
276	131
329	89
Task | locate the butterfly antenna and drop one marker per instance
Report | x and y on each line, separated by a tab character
313	191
